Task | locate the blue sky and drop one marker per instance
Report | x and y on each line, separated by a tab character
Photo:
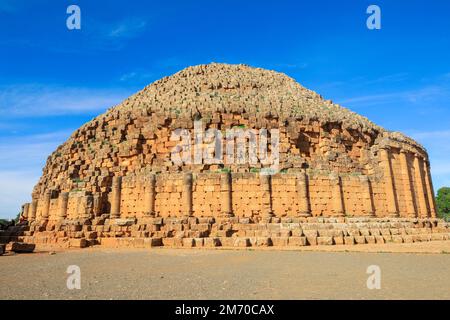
53	80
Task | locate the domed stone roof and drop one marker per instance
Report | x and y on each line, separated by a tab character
239	89
135	135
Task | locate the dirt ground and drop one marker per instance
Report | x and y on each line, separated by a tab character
408	271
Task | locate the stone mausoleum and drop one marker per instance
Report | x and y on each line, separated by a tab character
341	179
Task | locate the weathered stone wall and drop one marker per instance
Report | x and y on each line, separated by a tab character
251	195
332	162
393	175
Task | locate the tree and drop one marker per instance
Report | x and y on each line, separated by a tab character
443	202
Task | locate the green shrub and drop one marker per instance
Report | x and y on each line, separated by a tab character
443	202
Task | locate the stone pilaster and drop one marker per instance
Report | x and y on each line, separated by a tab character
187	194
63	203
336	194
116	197
304	207
225	195
98	205
150	196
33	209
367	196
420	187
46	205
407	187
266	195
430	190
391	199
26	210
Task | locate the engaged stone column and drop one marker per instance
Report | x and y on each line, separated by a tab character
226	205
150	195
430	190
26	210
266	195
304	208
98	205
367	189
420	187
336	193
392	207
46	204
187	194
63	203
409	196
33	209
115	197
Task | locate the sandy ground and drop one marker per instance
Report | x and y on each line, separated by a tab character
326	273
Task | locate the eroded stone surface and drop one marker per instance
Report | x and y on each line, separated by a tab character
114	178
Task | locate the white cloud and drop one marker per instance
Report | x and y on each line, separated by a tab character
21	162
33	100
438	147
128	28
431	135
15	190
137	76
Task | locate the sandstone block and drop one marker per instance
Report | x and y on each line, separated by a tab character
364	232
241	242
91	235
227	241
285	233
261	242
188	242
279	241
349	240
75	227
77	243
153	242
172	242
20	247
224	233
353	232
310	233
297	232
211	242
397	238
338	240
407	238
370	239
379	239
312	241
198	242
123	222
425	237
297	241
360	239
325	241
437	236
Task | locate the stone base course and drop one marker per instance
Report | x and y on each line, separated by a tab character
230	232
